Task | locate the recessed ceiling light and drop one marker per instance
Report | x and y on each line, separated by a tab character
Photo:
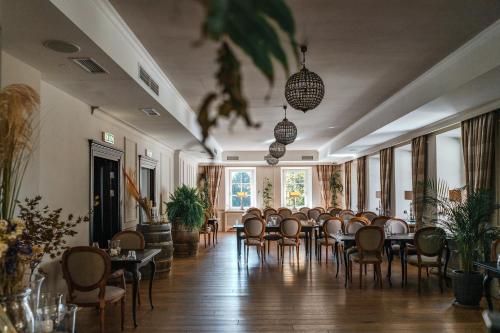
61	46
150	112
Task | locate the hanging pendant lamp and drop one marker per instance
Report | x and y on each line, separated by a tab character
304	90
285	131
271	160
277	150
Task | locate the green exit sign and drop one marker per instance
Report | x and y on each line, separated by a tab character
108	137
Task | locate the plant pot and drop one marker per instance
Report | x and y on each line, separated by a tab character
468	288
185	241
159	236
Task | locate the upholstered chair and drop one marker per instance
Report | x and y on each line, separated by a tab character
369	243
429	245
86	271
495	250
290	231
331	227
284	212
335	211
397	227
268	211
321	209
255	211
254	229
367	215
314	214
346	216
300	216
273	236
355	224
304	210
380	221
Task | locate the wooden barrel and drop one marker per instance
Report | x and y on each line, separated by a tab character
159	236
185	241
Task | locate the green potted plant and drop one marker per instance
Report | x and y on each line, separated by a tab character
336	187
267	193
466	220
186	212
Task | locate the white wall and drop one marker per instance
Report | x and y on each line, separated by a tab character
402	179
373	181
59	171
449	160
185	170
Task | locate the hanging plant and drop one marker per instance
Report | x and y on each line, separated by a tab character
248	25
336	187
267	193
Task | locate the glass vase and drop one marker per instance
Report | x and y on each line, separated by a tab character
18	311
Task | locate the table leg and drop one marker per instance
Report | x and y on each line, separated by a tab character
402	246
447	251
151	278
216	232
310	244
390	258
487	293
238	243
347	245
135	290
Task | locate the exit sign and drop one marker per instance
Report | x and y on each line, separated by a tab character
108	137
149	153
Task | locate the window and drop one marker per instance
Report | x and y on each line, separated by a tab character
295	181
240	188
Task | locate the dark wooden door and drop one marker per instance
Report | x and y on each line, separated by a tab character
106	218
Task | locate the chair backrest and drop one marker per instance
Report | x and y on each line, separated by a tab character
333	225
254	227
370	238
268	211
323	217
398	226
335	211
345	211
86	268
278	218
130	240
495	250
355	224
254	211
314	214
380	221
290	228
284	212
300	216
368	215
430	241
321	209
346	215
304	210
247	216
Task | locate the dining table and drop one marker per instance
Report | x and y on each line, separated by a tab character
349	240
133	264
306	227
492	270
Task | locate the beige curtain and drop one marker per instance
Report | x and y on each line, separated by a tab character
361	177
347	184
478	144
386	162
419	175
324	174
213	173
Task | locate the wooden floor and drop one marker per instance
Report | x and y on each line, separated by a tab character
212	293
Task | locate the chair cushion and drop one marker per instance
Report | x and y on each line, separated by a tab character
87	297
273	237
413	259
323	241
287	241
254	241
367	257
351	250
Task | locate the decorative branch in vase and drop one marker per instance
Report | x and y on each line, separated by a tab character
336	187
143	202
267	193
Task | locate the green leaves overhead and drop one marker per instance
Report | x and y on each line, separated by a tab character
252	26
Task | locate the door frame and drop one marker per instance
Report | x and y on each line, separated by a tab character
99	149
151	164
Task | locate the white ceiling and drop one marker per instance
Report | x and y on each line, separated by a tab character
364	50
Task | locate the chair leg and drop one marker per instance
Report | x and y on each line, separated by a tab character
123	312
427	269
379	269
139	292
326	254
101	319
298	251
361	275
440	274
419	277
248	252
337	259
268	246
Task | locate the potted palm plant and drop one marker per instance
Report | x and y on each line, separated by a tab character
336	187
466	220
186	212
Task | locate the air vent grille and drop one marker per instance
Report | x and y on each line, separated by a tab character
307	158
148	80
150	112
233	158
89	65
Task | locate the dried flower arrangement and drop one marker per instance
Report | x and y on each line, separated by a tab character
133	190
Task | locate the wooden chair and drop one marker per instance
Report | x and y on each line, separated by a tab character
355	224
255	211
335	211
284	212
367	215
321	209
207	231
86	271
369	243
330	227
346	216
323	217
313	214
300	216
304	210
429	245
268	211
495	250
254	229
289	230
346	211
272	236
380	221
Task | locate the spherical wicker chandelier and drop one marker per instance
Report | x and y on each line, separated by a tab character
277	150
271	160
285	131
304	90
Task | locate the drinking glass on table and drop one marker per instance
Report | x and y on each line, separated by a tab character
95	245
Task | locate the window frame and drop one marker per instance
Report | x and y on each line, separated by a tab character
307	185
229	186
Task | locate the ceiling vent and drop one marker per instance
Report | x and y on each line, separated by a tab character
150	112
89	65
232	158
148	80
307	158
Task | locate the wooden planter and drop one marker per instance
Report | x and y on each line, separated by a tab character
159	236
185	241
